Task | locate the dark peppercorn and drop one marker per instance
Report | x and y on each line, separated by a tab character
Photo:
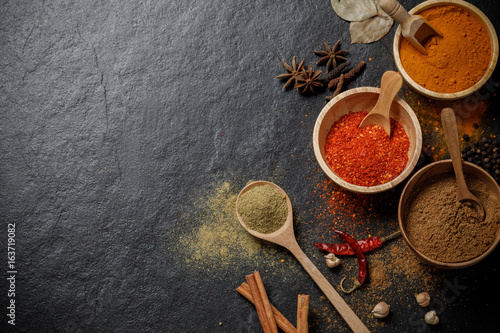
483	153
476	126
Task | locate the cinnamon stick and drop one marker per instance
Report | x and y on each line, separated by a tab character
267	304
302	313
280	319
259	304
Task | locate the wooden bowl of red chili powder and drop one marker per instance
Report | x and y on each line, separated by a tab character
366	160
441	231
457	64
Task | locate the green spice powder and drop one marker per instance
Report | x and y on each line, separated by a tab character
263	209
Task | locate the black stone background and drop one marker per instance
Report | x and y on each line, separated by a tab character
116	114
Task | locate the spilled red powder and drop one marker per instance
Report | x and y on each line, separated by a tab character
395	274
366	156
335	207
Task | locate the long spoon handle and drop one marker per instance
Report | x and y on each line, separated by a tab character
340	305
452	140
413	27
380	114
396	11
389	86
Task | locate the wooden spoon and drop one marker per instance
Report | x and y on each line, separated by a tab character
414	28
380	114
286	238
452	140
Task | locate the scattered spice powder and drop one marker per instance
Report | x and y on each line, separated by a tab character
366	156
220	241
470	114
446	230
454	62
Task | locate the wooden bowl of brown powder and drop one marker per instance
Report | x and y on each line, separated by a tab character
441	231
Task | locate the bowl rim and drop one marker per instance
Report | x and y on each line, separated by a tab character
376	188
460	94
446	265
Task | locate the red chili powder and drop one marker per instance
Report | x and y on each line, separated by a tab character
366	156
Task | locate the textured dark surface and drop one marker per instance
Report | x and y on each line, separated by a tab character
116	115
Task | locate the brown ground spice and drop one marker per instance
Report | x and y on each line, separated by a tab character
445	230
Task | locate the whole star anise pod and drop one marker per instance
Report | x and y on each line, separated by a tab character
331	56
293	71
307	80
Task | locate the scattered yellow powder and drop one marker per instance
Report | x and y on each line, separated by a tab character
216	240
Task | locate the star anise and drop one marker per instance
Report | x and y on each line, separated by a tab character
307	80
331	56
293	71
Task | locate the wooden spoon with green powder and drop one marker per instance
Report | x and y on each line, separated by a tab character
282	234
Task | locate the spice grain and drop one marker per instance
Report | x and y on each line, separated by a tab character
366	156
263	208
444	230
455	61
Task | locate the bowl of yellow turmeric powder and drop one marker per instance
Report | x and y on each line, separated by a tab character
457	64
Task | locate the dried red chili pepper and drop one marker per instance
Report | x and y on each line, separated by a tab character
362	272
367	245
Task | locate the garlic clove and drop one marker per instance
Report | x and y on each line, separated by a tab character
331	260
423	299
431	318
381	310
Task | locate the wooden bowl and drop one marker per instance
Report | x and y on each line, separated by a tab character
461	94
432	169
364	99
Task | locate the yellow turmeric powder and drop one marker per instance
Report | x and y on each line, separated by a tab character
454	62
